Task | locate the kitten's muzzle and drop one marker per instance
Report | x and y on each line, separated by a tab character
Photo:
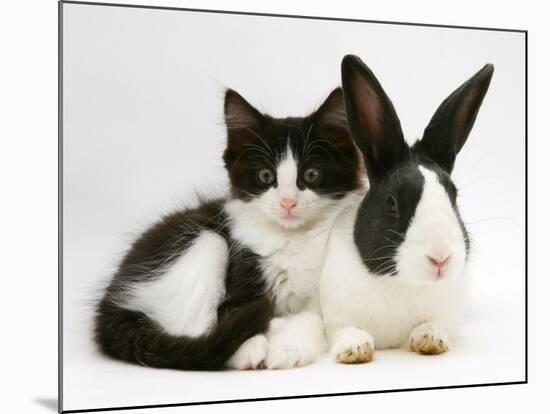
288	204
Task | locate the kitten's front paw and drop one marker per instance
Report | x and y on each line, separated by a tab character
287	352
427	339
284	356
295	341
353	346
250	355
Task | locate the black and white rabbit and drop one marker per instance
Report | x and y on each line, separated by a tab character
395	273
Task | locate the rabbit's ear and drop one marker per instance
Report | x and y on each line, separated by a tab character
372	119
452	122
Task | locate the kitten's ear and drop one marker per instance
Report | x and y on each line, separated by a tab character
452	122
332	113
372	119
243	123
239	114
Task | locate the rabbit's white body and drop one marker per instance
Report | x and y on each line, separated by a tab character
395	272
389	308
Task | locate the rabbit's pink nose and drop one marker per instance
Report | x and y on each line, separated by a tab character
438	262
288	203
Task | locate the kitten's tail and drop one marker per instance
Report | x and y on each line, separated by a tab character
133	337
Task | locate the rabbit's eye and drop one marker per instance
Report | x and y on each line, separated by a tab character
391	207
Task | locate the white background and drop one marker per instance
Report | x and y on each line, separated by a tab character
30	248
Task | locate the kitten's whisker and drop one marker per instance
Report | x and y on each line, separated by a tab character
306	143
267	147
337	149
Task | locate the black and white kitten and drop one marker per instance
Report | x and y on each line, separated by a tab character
234	282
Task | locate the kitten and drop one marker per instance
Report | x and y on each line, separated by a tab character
200	289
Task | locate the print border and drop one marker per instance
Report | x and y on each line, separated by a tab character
228	12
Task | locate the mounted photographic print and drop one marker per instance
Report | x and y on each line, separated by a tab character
259	206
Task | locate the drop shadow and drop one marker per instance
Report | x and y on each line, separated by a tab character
49	403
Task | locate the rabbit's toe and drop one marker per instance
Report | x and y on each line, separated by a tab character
354	346
427	339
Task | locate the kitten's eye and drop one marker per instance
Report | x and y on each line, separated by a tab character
391	207
266	176
311	175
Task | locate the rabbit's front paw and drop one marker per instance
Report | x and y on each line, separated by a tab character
427	339
353	346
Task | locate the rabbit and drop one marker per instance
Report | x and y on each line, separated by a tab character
395	274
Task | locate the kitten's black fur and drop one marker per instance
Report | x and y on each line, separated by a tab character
254	141
133	337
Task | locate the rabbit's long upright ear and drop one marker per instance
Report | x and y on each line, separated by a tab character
452	122
372	119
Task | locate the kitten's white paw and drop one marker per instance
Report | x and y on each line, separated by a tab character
276	325
427	339
283	357
353	346
285	352
294	341
251	354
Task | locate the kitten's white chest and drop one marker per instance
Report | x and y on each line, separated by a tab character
291	259
292	272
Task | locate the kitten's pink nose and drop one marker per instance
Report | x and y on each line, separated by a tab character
288	203
438	261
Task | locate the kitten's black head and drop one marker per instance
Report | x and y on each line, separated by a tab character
289	164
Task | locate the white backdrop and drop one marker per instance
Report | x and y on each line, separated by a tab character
143	92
